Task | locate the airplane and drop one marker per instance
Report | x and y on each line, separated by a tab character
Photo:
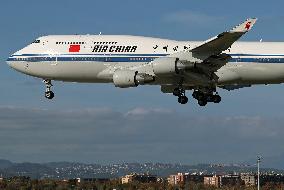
177	66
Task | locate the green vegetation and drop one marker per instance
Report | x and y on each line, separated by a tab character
21	183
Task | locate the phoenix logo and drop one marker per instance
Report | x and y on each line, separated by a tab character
248	25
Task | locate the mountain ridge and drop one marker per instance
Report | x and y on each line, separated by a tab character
69	170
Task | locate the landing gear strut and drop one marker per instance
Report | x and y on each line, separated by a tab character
204	98
180	92
48	93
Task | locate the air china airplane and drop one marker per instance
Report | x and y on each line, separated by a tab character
177	66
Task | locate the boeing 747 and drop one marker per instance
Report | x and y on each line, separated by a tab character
177	66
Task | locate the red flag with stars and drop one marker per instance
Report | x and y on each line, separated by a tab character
74	48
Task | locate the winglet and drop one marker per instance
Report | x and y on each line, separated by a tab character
245	26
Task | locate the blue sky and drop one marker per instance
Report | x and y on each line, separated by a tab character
248	121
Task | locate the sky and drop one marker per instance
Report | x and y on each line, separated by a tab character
98	123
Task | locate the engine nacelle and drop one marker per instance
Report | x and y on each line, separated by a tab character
170	65
129	78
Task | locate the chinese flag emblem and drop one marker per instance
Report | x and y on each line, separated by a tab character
74	48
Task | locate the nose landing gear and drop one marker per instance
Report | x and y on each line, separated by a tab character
48	93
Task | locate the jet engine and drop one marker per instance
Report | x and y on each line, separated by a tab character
170	65
130	78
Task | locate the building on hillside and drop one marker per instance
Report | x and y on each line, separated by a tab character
212	181
271	178
230	180
194	178
249	179
145	178
101	180
180	178
142	178
176	179
127	179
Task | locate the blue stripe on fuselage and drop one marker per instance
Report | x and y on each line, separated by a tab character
106	54
84	59
245	58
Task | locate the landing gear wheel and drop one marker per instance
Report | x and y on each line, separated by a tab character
182	99
195	94
49	95
217	99
202	102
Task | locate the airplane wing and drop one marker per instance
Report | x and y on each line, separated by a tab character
223	41
209	56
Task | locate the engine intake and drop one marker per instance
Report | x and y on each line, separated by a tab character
129	78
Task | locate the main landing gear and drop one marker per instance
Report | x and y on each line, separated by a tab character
204	98
180	93
48	93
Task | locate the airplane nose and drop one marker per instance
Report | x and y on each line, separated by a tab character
14	63
9	60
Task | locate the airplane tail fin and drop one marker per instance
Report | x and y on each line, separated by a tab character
245	26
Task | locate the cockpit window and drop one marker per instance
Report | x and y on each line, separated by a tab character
36	42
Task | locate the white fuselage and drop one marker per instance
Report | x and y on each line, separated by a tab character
94	58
